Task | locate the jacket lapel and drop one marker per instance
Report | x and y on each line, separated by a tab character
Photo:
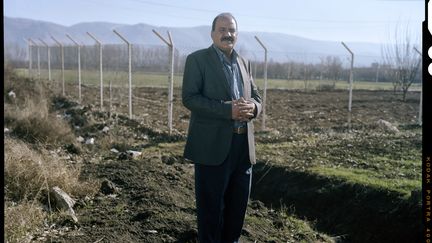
215	62
245	78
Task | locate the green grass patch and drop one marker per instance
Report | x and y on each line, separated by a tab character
325	84
117	78
369	178
144	79
384	161
279	224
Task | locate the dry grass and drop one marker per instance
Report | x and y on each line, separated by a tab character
21	221
21	86
28	115
31	168
35	124
28	173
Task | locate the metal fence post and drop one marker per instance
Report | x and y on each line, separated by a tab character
30	57
130	70
350	85
79	66
263	127
38	56
62	63
100	68
420	120
48	57
170	45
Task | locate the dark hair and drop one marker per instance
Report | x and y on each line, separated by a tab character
223	15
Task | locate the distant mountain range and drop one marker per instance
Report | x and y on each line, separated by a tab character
281	47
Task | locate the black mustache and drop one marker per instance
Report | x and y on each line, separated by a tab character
227	38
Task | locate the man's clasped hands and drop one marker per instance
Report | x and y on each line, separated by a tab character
242	110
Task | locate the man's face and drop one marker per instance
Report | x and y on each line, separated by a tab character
225	34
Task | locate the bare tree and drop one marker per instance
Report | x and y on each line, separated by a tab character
333	67
307	70
400	56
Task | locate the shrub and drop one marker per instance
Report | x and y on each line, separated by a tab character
327	87
34	123
28	172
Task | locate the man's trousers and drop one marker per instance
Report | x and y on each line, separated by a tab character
222	193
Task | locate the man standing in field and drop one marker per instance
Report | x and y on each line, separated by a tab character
219	91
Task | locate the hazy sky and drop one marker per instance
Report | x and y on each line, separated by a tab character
339	20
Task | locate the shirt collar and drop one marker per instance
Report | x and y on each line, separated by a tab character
223	57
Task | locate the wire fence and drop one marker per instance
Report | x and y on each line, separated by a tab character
161	67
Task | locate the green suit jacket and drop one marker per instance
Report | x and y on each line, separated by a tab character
207	95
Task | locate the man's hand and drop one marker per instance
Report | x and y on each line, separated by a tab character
243	110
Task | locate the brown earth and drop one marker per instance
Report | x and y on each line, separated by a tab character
154	200
286	109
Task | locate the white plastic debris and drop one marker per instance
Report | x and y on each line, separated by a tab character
134	154
387	126
105	129
12	94
80	139
6	130
114	150
90	141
